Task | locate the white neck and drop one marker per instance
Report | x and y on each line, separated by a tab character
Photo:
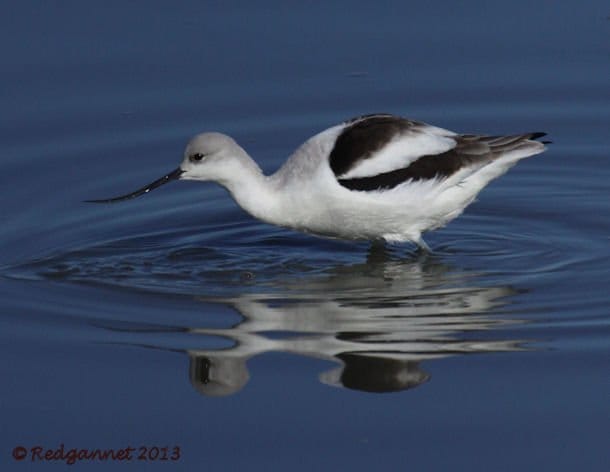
254	192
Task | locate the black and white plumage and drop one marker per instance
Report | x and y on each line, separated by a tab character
373	177
366	140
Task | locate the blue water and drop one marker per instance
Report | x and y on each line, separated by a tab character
177	321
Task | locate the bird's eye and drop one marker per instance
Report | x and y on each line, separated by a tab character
196	157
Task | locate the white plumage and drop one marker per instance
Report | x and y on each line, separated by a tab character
373	177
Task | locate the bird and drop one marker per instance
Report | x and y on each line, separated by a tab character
377	177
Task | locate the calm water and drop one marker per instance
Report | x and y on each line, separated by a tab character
176	320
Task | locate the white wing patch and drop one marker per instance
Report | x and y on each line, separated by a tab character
402	151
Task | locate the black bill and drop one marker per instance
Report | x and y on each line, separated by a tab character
173	175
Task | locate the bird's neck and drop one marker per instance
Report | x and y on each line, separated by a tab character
255	193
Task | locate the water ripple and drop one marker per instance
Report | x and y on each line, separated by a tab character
239	253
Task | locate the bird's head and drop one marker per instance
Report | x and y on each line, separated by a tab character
208	156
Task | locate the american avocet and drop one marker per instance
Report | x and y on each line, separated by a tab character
375	177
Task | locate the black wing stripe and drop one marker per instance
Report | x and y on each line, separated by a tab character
424	168
362	138
470	150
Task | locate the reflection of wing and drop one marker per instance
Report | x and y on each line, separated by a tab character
375	374
377	328
412	315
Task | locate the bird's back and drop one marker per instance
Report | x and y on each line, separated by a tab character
387	176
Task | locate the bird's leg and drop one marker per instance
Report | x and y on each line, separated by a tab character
378	251
422	246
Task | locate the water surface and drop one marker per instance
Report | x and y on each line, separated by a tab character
175	320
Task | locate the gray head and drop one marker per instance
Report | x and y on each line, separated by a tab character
208	156
212	156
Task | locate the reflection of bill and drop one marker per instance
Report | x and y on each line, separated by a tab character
377	320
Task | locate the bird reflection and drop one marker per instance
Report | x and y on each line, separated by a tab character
377	321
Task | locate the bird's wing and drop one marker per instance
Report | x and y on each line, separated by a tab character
383	151
375	144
